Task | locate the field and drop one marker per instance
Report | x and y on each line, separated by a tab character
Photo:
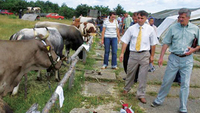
39	91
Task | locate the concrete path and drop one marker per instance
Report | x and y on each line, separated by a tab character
109	88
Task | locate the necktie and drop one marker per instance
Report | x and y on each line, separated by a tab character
139	38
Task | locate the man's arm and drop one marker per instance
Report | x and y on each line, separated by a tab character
192	50
164	48
121	57
153	48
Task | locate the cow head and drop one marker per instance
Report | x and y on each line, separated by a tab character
90	29
46	53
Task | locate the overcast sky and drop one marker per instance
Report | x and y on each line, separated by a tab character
151	6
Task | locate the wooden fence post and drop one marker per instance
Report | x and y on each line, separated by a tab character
53	99
71	79
84	55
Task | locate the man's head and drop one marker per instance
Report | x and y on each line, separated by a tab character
184	16
151	21
135	17
126	15
142	17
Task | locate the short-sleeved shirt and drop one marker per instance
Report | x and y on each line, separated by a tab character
127	21
110	31
149	37
179	37
119	19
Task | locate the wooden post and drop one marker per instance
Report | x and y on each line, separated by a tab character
53	99
71	79
84	56
33	109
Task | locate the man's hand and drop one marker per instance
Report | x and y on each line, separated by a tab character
121	57
151	59
160	62
190	51
102	41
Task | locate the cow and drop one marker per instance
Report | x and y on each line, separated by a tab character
87	30
21	56
70	34
53	36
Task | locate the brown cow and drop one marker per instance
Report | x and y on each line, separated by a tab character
20	57
87	29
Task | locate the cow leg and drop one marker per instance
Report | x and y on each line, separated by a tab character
15	90
67	50
67	54
39	78
25	86
57	75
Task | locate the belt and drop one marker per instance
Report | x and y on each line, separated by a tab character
179	55
140	51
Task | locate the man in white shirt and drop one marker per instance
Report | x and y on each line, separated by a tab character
141	37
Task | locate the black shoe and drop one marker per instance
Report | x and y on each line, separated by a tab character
154	104
182	112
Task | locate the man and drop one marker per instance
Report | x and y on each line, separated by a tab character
141	36
119	19
179	39
127	52
151	22
134	18
127	21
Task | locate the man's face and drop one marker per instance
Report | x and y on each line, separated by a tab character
183	19
151	22
135	18
141	19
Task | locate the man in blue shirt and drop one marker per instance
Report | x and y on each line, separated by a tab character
179	40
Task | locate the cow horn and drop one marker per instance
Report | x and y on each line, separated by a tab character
35	33
47	35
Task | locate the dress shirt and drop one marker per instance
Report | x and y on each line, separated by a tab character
179	37
149	37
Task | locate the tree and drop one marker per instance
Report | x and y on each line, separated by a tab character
119	10
104	10
66	11
82	10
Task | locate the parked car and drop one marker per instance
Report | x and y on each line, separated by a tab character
55	15
6	12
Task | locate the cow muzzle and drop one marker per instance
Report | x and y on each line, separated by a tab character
55	65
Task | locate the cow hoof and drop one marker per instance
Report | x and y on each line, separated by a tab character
57	80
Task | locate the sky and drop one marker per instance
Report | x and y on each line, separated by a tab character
151	6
